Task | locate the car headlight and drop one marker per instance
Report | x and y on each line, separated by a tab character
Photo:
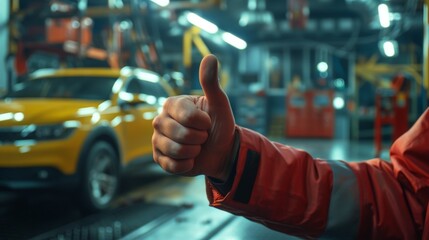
50	132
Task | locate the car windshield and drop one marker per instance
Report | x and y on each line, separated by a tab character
82	87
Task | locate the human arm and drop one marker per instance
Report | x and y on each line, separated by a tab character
286	188
293	192
389	199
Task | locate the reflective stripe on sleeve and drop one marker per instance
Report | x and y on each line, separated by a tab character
344	210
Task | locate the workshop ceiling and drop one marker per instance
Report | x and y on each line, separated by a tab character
328	19
266	21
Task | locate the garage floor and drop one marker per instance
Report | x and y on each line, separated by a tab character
151	205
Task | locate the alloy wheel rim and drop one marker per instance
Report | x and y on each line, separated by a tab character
103	180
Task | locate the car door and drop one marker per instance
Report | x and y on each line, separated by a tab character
137	122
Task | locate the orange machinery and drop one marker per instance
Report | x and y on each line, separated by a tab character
60	30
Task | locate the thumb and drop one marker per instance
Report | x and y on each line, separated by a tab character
209	81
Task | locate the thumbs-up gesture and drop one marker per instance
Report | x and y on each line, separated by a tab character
194	134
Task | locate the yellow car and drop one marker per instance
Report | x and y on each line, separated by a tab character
78	128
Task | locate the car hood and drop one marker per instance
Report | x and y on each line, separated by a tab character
37	111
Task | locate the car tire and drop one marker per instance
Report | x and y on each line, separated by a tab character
100	180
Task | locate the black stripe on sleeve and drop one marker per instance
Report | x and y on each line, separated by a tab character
245	186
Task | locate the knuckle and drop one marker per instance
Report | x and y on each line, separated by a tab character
164	165
182	151
156	122
184	134
154	139
167	103
173	167
177	150
168	165
155	157
184	115
179	167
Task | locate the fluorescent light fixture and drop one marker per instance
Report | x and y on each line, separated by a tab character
202	23
384	15
390	48
234	40
162	3
322	67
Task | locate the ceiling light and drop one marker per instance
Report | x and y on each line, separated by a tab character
260	17
339	103
384	15
322	66
234	40
162	3
389	48
252	4
202	23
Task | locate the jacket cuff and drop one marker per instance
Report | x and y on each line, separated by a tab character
239	186
225	187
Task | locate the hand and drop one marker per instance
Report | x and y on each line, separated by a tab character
194	134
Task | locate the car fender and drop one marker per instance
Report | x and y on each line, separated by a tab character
104	133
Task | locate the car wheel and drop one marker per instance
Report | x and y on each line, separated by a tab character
100	177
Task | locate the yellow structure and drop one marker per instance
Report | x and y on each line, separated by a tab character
371	70
192	37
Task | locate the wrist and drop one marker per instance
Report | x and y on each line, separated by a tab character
227	170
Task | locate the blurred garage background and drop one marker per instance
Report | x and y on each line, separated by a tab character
81	81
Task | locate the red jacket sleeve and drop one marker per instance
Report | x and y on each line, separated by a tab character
288	190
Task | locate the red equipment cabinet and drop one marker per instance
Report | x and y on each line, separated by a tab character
310	114
296	114
391	109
